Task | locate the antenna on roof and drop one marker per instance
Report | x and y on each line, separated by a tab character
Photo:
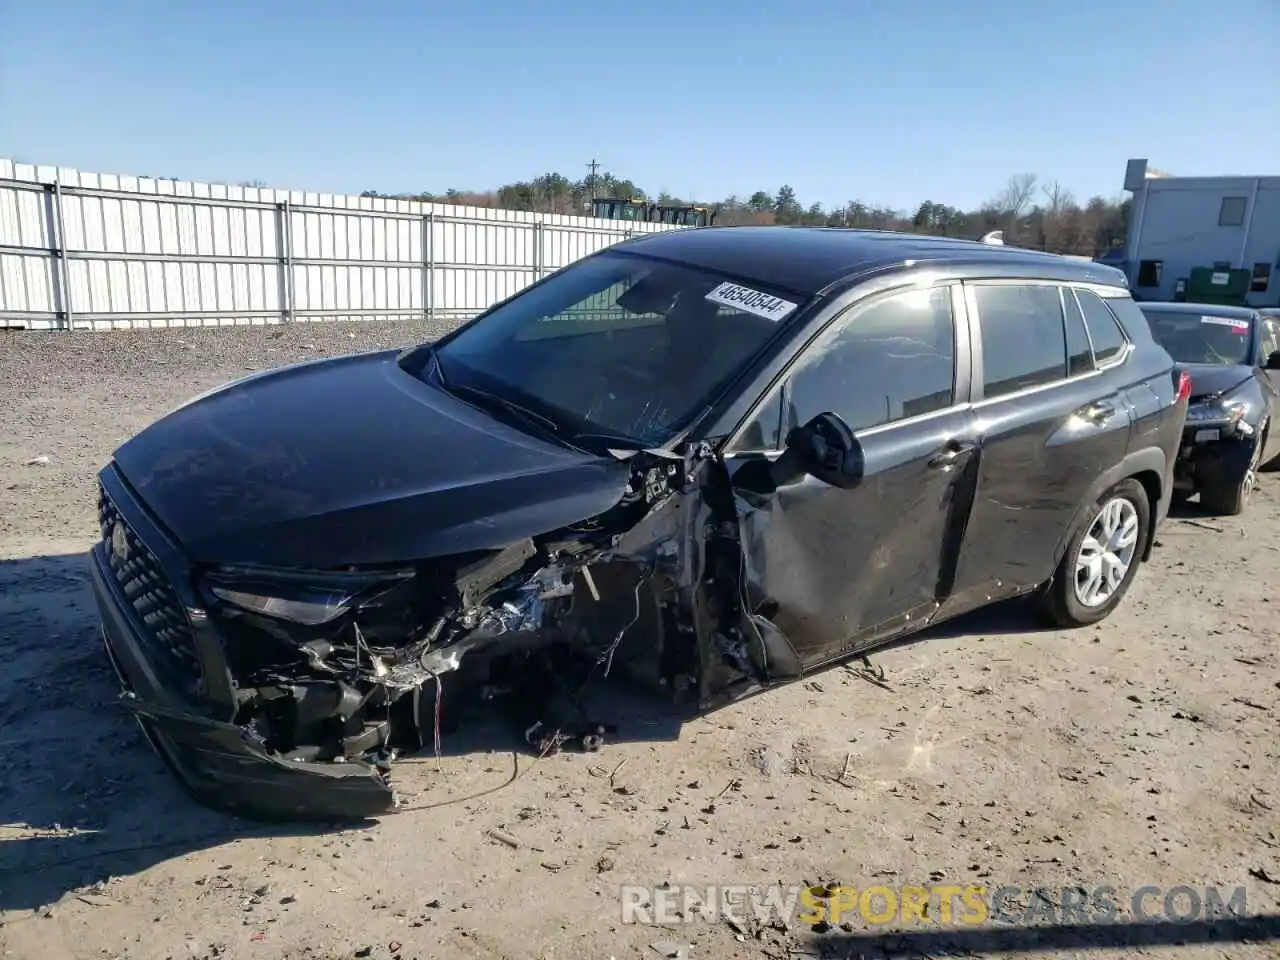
995	238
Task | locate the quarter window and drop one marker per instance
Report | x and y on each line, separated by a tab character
1023	341
1079	353
761	432
1104	329
885	360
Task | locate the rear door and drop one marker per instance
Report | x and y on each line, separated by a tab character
1051	420
837	569
1110	349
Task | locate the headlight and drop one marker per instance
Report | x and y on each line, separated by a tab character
321	608
1219	410
308	599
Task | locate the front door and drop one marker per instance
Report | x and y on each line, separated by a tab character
836	569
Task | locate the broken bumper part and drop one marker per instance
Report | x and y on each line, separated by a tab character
1212	454
219	762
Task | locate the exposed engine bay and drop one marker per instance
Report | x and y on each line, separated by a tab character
628	592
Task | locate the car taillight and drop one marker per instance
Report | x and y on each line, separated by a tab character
1184	386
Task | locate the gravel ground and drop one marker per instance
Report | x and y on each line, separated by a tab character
1140	752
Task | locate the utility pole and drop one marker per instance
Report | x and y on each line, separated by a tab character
593	166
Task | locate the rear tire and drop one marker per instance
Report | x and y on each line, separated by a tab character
1100	561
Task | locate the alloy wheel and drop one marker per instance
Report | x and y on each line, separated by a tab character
1107	552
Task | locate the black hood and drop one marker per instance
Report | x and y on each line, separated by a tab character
353	461
1208	379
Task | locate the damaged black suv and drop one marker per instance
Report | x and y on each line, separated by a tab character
708	460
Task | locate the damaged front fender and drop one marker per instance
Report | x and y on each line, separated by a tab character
300	706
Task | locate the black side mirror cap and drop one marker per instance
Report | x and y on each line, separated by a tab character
1273	361
827	450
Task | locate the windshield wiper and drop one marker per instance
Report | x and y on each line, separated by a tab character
623	447
624	442
614	439
524	413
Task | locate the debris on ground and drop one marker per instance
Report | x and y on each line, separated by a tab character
505	838
876	763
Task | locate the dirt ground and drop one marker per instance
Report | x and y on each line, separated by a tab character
1141	752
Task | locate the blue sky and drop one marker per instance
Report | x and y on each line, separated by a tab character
885	102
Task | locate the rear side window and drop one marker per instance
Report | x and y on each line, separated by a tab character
1104	330
1023	340
1079	353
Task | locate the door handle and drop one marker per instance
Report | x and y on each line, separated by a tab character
952	453
1098	412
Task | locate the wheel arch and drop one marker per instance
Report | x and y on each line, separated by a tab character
1149	467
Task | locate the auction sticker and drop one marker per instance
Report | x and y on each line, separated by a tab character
751	301
1239	326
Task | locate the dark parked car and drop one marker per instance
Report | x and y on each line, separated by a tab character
709	460
1232	355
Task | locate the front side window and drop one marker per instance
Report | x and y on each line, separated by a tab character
1023	340
1201	337
888	359
616	349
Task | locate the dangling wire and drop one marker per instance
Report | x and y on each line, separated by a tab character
607	656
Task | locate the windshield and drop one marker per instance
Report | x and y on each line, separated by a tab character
617	349
1201	338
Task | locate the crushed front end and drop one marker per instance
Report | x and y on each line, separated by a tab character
287	694
1217	444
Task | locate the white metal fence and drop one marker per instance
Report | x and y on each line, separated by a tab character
84	251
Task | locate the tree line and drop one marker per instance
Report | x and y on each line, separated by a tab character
1033	213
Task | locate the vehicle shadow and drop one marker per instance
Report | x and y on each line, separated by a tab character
989	940
1191	510
1007	618
85	799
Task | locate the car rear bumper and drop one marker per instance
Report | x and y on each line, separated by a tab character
221	764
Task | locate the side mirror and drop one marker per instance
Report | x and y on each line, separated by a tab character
1273	361
826	449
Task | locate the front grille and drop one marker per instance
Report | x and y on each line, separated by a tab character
143	581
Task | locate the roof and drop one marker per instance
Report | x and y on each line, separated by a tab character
808	260
1210	309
